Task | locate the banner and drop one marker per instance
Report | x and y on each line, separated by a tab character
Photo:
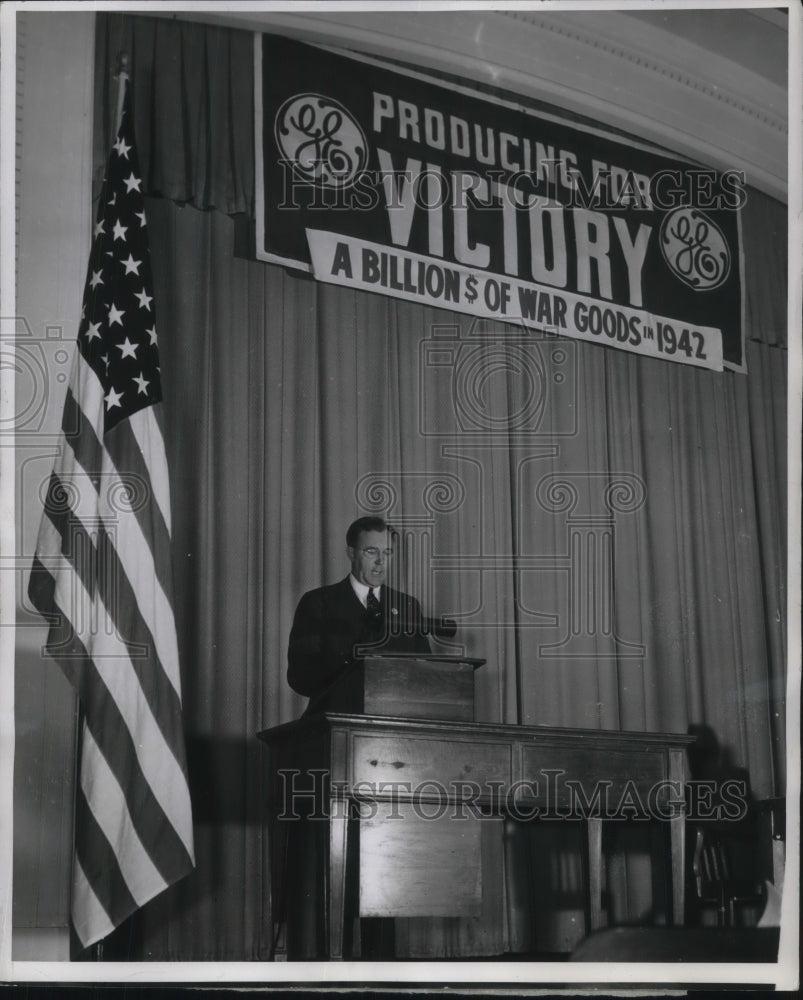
399	184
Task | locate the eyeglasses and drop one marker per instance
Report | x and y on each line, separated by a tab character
373	552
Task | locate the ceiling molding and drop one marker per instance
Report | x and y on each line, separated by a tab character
630	72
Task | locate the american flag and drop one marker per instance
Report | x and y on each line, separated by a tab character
102	576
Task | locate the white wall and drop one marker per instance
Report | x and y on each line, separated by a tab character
55	59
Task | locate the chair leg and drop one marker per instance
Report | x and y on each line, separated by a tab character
722	910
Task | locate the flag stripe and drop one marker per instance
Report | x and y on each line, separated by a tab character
153	779
117	598
111	690
96	856
85	554
71	495
119	610
82	440
164	845
110	809
41	588
125	453
145	427
65	534
87	391
136	559
89	918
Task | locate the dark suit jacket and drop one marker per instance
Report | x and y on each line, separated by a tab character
330	624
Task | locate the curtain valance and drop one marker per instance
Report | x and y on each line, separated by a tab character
193	100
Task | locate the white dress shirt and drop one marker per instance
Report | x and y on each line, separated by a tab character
361	590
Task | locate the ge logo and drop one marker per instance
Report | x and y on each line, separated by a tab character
321	139
695	249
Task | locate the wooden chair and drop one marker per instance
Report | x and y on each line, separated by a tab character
718	880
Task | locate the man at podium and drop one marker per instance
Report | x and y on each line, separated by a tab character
335	626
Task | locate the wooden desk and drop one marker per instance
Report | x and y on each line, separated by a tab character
514	770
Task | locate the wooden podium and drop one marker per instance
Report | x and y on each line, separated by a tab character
414	862
408	687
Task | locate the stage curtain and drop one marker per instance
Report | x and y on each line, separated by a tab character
193	107
292	407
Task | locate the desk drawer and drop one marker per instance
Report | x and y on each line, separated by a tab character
570	776
412	760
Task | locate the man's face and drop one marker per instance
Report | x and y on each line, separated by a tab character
369	559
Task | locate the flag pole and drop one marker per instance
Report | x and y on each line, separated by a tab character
122	78
121	75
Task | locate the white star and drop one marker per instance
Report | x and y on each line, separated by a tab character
152	334
144	299
142	384
113	198
131	265
121	148
105	359
119	231
132	184
96	278
141	217
99	228
93	330
115	315
129	350
113	398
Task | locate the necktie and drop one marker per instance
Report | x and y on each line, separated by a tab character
373	606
